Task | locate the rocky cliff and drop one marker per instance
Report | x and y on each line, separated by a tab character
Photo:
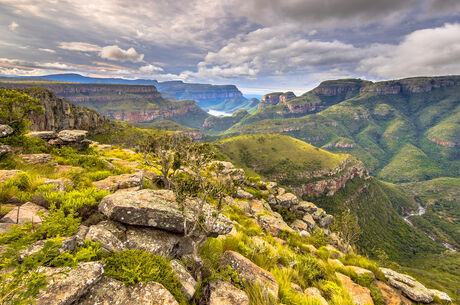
412	85
276	98
59	114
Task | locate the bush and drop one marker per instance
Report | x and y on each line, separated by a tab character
309	271
133	266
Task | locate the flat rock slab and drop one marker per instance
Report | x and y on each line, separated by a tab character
359	294
45	135
250	271
6	227
146	208
114	183
408	285
37	158
6	174
224	293
67	285
113	292
28	212
72	135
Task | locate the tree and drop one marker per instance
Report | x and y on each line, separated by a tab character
15	107
166	154
202	184
347	227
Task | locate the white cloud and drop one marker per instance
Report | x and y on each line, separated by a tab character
47	50
116	53
433	51
150	69
80	46
13	26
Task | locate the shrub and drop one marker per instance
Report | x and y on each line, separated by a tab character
309	270
133	266
318	239
57	223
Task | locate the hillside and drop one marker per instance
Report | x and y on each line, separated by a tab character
335	182
388	125
130	103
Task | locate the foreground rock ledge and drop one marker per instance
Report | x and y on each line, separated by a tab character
151	209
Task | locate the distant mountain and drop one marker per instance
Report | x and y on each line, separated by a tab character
236	104
205	95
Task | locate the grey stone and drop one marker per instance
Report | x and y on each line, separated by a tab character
45	135
224	293
28	212
186	279
408	286
5	131
72	135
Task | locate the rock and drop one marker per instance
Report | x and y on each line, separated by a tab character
334	253
326	221
5	131
6	174
240	193
72	135
243	205
359	294
390	295
316	294
287	200
259	206
272	186
273	225
361	271
186	279
304	234
67	245
250	271
4	149
335	262
441	295
37	158
305	207
60	184
408	285
311	248
108	240
318	214
62	169
45	135
124	181
224	293
311	224
80	236
156	241
111	291
228	169
68	285
299	225
28	212
145	208
6	227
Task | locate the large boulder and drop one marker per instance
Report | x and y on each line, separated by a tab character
250	271
28	212
441	295
111	291
124	181
359	294
284	201
5	131
105	236
67	285
146	208
37	158
409	286
186	279
240	193
392	296
72	135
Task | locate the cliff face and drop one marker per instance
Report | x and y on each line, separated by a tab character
412	85
60	115
204	94
276	98
345	87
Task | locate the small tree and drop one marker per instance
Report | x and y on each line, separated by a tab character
197	189
15	107
166	154
347	227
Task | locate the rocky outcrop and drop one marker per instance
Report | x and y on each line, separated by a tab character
36	159
408	286
250	271
125	181
71	138
147	208
276	98
392	296
411	85
444	143
344	87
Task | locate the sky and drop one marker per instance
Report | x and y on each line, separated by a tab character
259	45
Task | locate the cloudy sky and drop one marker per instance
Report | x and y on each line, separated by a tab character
258	45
